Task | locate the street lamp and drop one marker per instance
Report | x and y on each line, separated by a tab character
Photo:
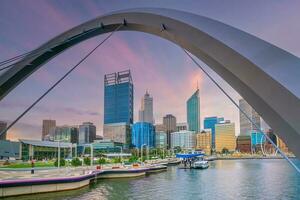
121	148
58	153
142	151
92	156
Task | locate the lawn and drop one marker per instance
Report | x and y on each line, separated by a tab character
28	165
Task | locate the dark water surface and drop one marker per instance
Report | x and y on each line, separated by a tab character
231	179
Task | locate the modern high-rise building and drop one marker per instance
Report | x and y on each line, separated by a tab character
118	132
118	106
146	111
3	126
118	98
143	133
160	139
66	134
209	123
169	121
225	136
203	141
246	127
87	133
183	139
193	112
183	126
48	124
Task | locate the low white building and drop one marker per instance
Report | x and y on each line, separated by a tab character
184	139
161	139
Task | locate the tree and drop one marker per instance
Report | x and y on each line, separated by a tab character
117	160
177	149
101	161
133	159
87	161
225	150
61	163
76	162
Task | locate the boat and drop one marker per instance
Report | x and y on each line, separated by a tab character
173	161
200	164
193	161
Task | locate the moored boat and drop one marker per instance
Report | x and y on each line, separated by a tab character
200	164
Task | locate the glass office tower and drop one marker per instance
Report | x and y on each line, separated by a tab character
209	123
118	98
143	133
118	107
193	112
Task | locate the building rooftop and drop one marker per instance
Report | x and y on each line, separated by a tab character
117	78
46	143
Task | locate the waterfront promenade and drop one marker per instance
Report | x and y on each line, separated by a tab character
20	182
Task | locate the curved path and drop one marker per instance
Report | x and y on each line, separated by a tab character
266	76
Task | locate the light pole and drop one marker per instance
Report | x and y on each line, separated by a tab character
142	152
147	152
121	153
92	156
75	149
58	152
71	151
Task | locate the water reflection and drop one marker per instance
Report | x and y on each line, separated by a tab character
232	179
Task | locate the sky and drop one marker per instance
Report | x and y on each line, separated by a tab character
157	65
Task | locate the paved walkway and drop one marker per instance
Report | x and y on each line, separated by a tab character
50	173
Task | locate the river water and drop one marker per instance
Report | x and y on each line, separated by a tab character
227	179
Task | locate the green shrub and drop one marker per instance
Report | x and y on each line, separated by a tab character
133	159
116	160
101	161
62	162
76	162
87	161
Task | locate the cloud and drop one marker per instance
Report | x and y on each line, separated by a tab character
45	109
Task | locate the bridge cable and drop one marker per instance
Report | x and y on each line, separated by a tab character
61	79
38	51
236	105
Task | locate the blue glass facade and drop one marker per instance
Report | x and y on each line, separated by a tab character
209	123
143	133
257	138
118	98
193	112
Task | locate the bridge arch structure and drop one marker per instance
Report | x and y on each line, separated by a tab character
267	77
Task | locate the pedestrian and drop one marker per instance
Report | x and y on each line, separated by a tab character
32	167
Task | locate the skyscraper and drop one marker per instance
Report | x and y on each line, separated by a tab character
143	133
146	111
3	126
118	98
48	124
225	136
246	127
87	133
118	106
193	112
209	123
169	121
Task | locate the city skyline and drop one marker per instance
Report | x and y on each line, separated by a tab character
88	78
